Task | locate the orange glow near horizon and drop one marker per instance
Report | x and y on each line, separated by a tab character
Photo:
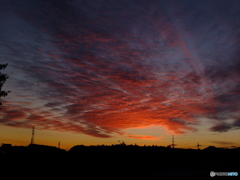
22	137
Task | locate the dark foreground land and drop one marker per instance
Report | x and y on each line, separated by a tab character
116	161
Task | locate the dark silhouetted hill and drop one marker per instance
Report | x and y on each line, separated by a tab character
36	148
121	160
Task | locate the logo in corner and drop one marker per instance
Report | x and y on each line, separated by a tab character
212	174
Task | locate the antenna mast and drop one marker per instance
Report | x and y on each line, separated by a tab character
32	139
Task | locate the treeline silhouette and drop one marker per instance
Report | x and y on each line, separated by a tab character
121	160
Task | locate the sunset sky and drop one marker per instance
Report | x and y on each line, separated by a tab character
98	71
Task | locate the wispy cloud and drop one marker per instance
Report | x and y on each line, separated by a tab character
98	68
143	137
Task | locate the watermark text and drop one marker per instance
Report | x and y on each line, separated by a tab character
212	173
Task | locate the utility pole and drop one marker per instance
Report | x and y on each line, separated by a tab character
58	145
198	145
32	139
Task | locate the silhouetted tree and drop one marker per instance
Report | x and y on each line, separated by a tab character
3	78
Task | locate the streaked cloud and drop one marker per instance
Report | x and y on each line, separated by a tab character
99	68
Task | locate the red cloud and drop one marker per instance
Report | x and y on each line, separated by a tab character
142	137
105	71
